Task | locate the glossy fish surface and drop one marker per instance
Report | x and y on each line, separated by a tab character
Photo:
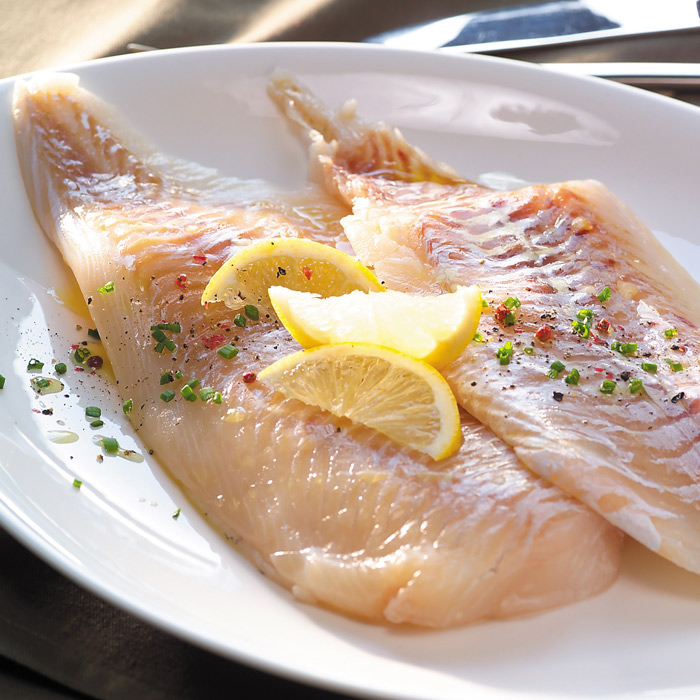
330	510
588	360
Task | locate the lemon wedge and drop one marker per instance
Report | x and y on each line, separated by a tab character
435	329
405	399
295	263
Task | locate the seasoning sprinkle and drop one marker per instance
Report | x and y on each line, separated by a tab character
636	385
605	294
249	377
675	366
206	393
174	327
573	377
608	387
81	354
543	333
188	393
557	395
623	348
504	353
678	397
110	445
227	351
555	368
95	362
252	312
581	328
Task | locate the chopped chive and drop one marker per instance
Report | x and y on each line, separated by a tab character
529	350
504	353
605	294
188	393
478	338
167	396
174	327
109	287
670	332
251	312
34	364
675	366
160	347
94	333
193	383
178	374
623	348
239	320
555	368
484	303
158	335
2	382
608	387
512	303
166	378
206	393
97	423
509	319
227	351
81	354
42	383
573	377
649	367
127	406
218	398
170	345
77	483
60	368
581	328
636	385
585	315
176	514
93	412
110	444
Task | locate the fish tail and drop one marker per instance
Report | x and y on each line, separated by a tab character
342	143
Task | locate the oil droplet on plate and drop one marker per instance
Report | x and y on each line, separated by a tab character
46	385
62	436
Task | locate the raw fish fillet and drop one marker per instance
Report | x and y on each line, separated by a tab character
332	511
632	455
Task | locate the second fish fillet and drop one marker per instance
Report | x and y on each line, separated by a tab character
588	367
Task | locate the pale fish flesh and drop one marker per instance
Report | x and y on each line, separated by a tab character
617	424
332	511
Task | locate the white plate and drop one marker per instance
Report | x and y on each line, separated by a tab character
116	535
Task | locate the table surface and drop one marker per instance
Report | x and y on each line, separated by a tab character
50	646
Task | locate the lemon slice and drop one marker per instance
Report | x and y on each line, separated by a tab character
435	329
405	399
295	263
